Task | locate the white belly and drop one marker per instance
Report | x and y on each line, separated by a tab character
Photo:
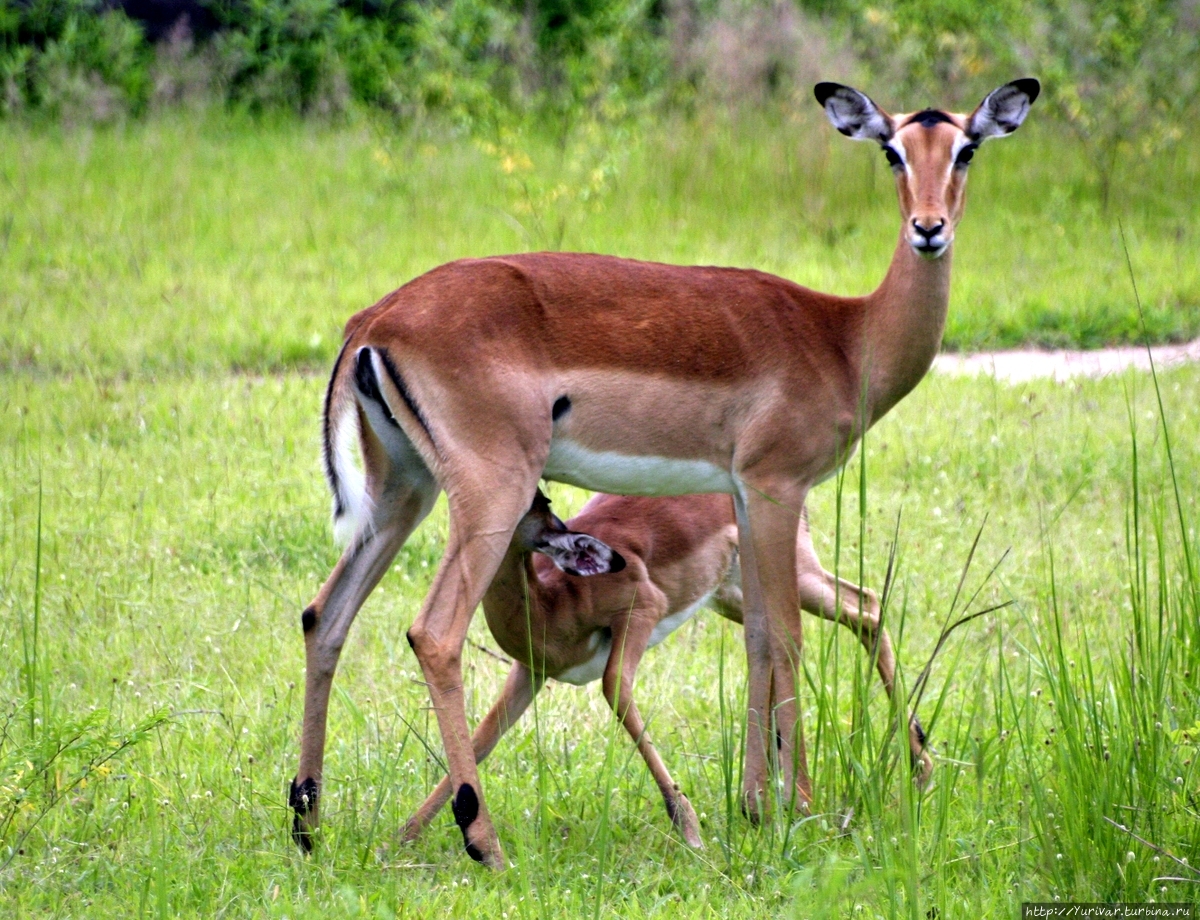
624	474
601	645
593	668
668	625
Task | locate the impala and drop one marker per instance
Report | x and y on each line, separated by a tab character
484	375
664	558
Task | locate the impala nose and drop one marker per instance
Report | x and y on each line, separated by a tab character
927	237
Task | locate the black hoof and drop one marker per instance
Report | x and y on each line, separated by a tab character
303	800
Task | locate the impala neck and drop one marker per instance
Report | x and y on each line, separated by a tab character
903	323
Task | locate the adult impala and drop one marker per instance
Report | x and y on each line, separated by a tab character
630	377
664	558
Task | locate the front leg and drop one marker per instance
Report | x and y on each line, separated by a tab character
773	514
758	667
630	638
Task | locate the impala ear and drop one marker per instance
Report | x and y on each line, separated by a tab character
579	554
1003	109
854	114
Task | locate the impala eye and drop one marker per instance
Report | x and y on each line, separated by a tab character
893	158
964	155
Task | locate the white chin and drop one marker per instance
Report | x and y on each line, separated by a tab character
928	253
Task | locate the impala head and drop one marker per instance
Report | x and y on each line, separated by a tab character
541	531
929	151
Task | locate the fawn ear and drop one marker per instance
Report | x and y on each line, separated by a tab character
579	554
1003	109
853	113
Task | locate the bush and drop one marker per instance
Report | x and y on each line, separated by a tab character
1121	73
72	58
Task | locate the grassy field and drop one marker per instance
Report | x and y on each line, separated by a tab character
210	244
167	289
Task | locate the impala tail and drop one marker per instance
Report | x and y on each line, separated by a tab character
340	431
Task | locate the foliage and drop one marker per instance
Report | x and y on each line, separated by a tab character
307	54
73	58
1121	73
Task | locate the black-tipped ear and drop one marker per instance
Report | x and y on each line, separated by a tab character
853	113
1003	109
540	503
579	554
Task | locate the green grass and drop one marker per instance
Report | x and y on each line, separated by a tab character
183	527
165	291
214	243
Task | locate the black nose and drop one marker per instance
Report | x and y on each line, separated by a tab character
931	232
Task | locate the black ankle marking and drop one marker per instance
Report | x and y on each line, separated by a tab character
920	732
466	809
562	406
303	799
408	635
308	619
778	739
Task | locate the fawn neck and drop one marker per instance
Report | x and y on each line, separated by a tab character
511	602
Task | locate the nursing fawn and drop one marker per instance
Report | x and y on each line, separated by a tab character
584	600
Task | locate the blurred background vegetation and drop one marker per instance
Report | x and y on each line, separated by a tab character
1118	72
542	119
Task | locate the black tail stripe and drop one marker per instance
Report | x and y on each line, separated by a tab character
398	383
364	377
331	475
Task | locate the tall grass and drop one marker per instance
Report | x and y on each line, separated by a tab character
186	592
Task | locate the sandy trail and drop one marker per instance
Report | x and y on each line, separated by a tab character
1019	366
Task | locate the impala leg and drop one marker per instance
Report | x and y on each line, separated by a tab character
326	622
630	638
519	691
774	512
856	608
482	521
758	667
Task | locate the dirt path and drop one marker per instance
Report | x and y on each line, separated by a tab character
1018	366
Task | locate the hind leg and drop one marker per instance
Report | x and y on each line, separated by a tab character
482	520
326	622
